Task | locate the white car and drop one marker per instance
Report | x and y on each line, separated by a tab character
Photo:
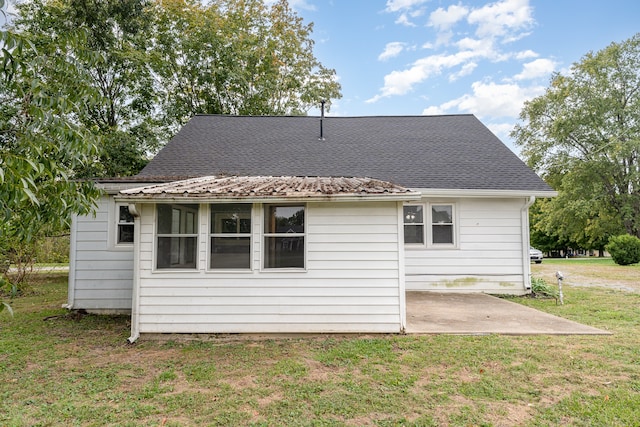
535	255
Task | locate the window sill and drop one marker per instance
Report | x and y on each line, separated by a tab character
230	271
430	248
121	247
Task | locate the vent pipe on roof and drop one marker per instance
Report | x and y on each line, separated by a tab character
322	120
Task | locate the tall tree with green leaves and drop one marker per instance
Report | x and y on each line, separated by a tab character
41	144
236	57
159	62
583	136
116	31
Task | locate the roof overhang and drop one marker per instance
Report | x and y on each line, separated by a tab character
269	188
115	185
483	193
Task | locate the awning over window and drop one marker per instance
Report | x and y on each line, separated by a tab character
272	187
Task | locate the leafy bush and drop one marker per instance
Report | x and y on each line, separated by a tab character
624	249
541	289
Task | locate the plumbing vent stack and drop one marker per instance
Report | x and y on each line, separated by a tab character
322	120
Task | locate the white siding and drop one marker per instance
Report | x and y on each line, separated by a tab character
101	276
352	281
488	257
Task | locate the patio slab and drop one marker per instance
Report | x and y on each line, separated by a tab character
479	314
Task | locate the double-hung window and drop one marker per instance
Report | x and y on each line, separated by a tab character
413	224
177	236
430	227
124	226
442	224
284	236
230	236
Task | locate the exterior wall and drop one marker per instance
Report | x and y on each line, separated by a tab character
353	280
488	256
100	275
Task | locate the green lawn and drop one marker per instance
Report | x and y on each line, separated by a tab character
58	368
581	261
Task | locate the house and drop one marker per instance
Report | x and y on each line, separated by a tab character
305	224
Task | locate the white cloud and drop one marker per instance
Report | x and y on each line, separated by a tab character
466	70
402	82
443	19
505	19
403	19
391	50
433	111
484	31
398	5
538	68
491	100
526	54
482	48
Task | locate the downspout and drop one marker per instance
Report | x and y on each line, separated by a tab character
135	291
73	246
526	260
401	270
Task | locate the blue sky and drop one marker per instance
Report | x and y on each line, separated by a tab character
413	57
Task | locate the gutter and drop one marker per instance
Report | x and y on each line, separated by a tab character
526	261
483	193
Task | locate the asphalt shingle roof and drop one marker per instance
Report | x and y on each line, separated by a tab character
434	152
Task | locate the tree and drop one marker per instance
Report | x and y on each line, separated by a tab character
160	62
583	136
236	57
116	31
41	145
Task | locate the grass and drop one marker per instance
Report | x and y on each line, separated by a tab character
59	368
583	261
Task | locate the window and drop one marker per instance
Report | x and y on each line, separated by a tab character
230	236
413	224
124	233
442	224
430	227
177	242
284	233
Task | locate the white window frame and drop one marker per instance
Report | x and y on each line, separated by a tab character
428	226
264	251
119	223
414	224
453	224
196	234
248	235
113	221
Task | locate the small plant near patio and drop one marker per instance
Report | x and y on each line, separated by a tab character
541	289
624	249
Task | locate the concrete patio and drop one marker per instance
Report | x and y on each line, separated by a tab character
479	314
